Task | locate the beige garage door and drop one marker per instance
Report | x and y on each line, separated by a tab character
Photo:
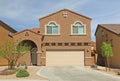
64	58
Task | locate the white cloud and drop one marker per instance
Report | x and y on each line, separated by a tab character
108	18
18	9
26	10
72	5
10	10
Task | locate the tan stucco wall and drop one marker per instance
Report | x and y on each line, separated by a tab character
25	58
4	35
4	38
32	37
115	60
65	27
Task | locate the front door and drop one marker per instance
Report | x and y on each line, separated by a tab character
34	56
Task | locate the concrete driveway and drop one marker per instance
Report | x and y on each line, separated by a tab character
22	80
75	73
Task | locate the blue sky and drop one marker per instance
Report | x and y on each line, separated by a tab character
24	14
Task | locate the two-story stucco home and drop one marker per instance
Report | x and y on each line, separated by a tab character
63	39
109	33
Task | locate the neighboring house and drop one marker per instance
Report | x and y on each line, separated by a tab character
5	35
109	33
63	39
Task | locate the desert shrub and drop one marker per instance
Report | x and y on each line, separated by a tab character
22	73
22	65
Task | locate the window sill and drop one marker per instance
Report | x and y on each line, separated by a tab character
78	34
52	34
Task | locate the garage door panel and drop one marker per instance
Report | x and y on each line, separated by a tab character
64	58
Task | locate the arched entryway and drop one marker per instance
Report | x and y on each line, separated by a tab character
33	50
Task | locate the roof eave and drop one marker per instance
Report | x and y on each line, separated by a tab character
25	30
100	25
9	27
67	10
97	29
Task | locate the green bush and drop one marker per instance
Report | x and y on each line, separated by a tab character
22	73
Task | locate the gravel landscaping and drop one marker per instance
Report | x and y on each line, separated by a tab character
31	69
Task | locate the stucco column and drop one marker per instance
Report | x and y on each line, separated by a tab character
39	52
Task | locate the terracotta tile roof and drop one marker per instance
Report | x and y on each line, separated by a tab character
36	30
114	28
7	27
65	10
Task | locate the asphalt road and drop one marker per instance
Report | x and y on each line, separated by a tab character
75	73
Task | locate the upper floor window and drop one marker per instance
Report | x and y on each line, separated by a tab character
102	33
78	29
106	37
10	34
111	42
52	29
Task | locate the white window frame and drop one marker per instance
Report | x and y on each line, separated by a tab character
48	25
78	33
